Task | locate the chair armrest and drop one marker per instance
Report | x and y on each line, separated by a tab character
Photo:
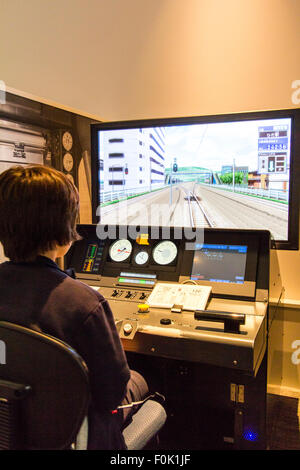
82	436
146	422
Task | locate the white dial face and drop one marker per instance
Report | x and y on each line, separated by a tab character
67	141
165	252
120	250
68	161
141	257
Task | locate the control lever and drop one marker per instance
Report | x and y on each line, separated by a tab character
127	329
232	321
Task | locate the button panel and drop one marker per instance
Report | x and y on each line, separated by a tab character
122	294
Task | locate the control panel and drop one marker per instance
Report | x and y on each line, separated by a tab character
207	304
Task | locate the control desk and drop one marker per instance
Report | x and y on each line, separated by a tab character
176	305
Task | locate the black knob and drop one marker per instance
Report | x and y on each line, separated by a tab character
165	321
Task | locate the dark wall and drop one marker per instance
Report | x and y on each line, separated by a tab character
51	123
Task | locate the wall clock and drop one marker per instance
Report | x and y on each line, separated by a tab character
68	161
67	141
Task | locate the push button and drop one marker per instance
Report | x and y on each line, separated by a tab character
143	308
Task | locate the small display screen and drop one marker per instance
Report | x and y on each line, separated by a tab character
127	280
93	257
220	263
142	275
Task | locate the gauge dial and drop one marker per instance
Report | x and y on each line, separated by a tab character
165	252
141	257
67	141
68	161
120	250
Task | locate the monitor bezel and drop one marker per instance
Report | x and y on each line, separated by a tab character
292	243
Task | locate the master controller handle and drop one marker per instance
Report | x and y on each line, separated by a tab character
232	321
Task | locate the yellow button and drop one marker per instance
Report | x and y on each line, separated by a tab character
142	239
142	308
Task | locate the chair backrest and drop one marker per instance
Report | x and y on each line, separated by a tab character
56	379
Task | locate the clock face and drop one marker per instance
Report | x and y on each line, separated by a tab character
68	161
120	250
67	141
141	257
165	252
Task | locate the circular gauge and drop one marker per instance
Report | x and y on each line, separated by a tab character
165	252
68	161
67	141
141	257
120	250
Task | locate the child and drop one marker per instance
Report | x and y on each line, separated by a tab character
38	213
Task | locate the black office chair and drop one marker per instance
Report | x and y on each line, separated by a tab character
44	396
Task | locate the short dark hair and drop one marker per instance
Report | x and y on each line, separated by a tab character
39	208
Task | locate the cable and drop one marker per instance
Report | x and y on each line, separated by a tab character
191	281
135	403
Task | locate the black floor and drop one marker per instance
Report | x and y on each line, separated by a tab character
283	431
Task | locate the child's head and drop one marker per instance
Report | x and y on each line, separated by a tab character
39	208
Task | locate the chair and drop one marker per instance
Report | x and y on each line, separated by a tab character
44	395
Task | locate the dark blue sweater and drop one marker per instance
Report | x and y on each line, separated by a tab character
41	296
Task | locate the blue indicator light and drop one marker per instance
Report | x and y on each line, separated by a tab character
250	435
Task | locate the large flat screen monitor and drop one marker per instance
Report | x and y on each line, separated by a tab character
223	171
